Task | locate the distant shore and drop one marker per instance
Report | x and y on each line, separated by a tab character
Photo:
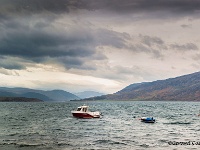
133	100
19	99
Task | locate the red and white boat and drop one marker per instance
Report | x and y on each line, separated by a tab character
83	112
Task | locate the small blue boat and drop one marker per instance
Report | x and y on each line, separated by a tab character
148	119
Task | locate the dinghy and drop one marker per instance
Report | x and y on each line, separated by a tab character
147	119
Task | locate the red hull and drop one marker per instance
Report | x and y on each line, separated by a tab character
84	115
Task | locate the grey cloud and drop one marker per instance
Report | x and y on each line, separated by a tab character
156	47
5	72
41	24
157	54
41	40
186	25
70	46
138	47
141	6
22	39
34	42
77	63
185	47
153	46
151	41
8	72
51	41
112	38
33	6
11	66
11	63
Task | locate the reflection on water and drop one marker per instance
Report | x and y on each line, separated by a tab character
42	126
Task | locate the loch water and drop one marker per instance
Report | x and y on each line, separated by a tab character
50	126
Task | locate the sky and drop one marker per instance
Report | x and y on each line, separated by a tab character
98	45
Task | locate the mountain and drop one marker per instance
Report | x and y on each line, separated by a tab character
54	95
87	94
60	95
5	93
35	95
182	88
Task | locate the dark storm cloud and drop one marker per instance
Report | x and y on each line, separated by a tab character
10	63
19	7
144	5
125	6
77	63
39	40
11	66
29	30
40	43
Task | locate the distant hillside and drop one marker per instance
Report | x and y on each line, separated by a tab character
183	88
35	95
19	99
5	94
87	94
54	95
60	95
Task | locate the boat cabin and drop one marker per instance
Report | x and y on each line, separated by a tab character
82	108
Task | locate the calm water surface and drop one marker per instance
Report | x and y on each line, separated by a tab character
50	126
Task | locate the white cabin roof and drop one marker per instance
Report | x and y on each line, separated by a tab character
83	106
